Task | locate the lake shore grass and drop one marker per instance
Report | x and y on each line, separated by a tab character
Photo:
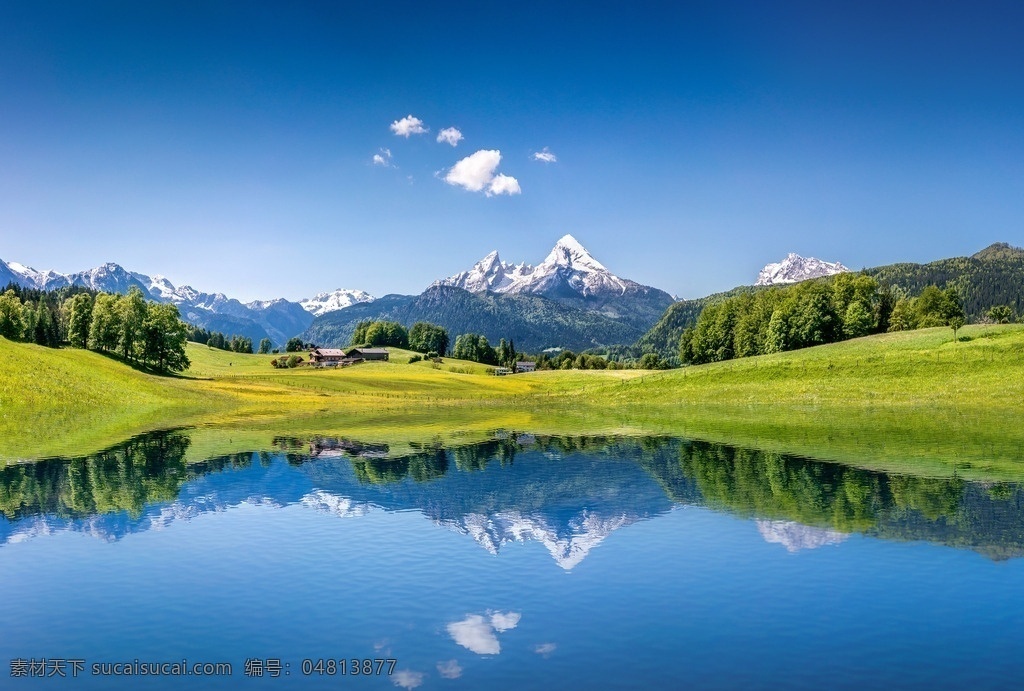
908	402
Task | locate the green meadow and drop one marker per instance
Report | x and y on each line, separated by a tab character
912	401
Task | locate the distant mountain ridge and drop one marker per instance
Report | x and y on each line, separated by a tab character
569	300
277	320
795	268
568	270
532	321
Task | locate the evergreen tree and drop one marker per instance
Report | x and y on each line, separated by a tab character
44	331
265	346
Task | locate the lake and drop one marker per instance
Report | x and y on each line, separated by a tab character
519	562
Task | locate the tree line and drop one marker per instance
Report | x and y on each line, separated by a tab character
145	333
423	337
235	344
812	313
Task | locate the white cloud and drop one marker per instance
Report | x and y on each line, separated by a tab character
449	670
504	184
407	126
544	649
449	135
476	173
407	679
503	621
382	158
545	156
475	634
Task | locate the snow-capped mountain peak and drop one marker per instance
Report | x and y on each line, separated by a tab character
570	253
338	299
795	268
568	270
490	274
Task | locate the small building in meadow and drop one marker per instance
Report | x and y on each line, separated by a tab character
526	366
320	357
367	353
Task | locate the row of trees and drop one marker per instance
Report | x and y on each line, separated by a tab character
147	333
425	337
811	313
381	333
235	344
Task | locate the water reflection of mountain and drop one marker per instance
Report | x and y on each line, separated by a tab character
567	493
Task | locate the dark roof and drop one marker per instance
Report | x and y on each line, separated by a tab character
369	350
329	352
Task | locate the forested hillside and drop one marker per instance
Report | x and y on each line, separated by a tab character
992	277
533	322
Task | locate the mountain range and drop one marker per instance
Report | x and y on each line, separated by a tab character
569	300
277	320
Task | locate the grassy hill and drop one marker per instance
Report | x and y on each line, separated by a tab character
906	401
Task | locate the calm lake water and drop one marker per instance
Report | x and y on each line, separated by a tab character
522	562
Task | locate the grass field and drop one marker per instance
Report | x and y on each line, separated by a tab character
914	401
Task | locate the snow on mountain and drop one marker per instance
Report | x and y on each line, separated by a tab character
490	274
796	536
568	269
568	545
277	319
795	268
341	298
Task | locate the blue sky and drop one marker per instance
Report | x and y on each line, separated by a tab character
230	146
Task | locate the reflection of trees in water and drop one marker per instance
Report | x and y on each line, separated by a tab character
151	468
988	518
145	469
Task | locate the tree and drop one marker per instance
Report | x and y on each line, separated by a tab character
132	310
44	330
425	337
814	318
78	311
241	344
650	361
931	308
163	338
12	317
265	346
382	333
903	316
777	338
858	320
956	323
1000	314
293	345
474	347
106	323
